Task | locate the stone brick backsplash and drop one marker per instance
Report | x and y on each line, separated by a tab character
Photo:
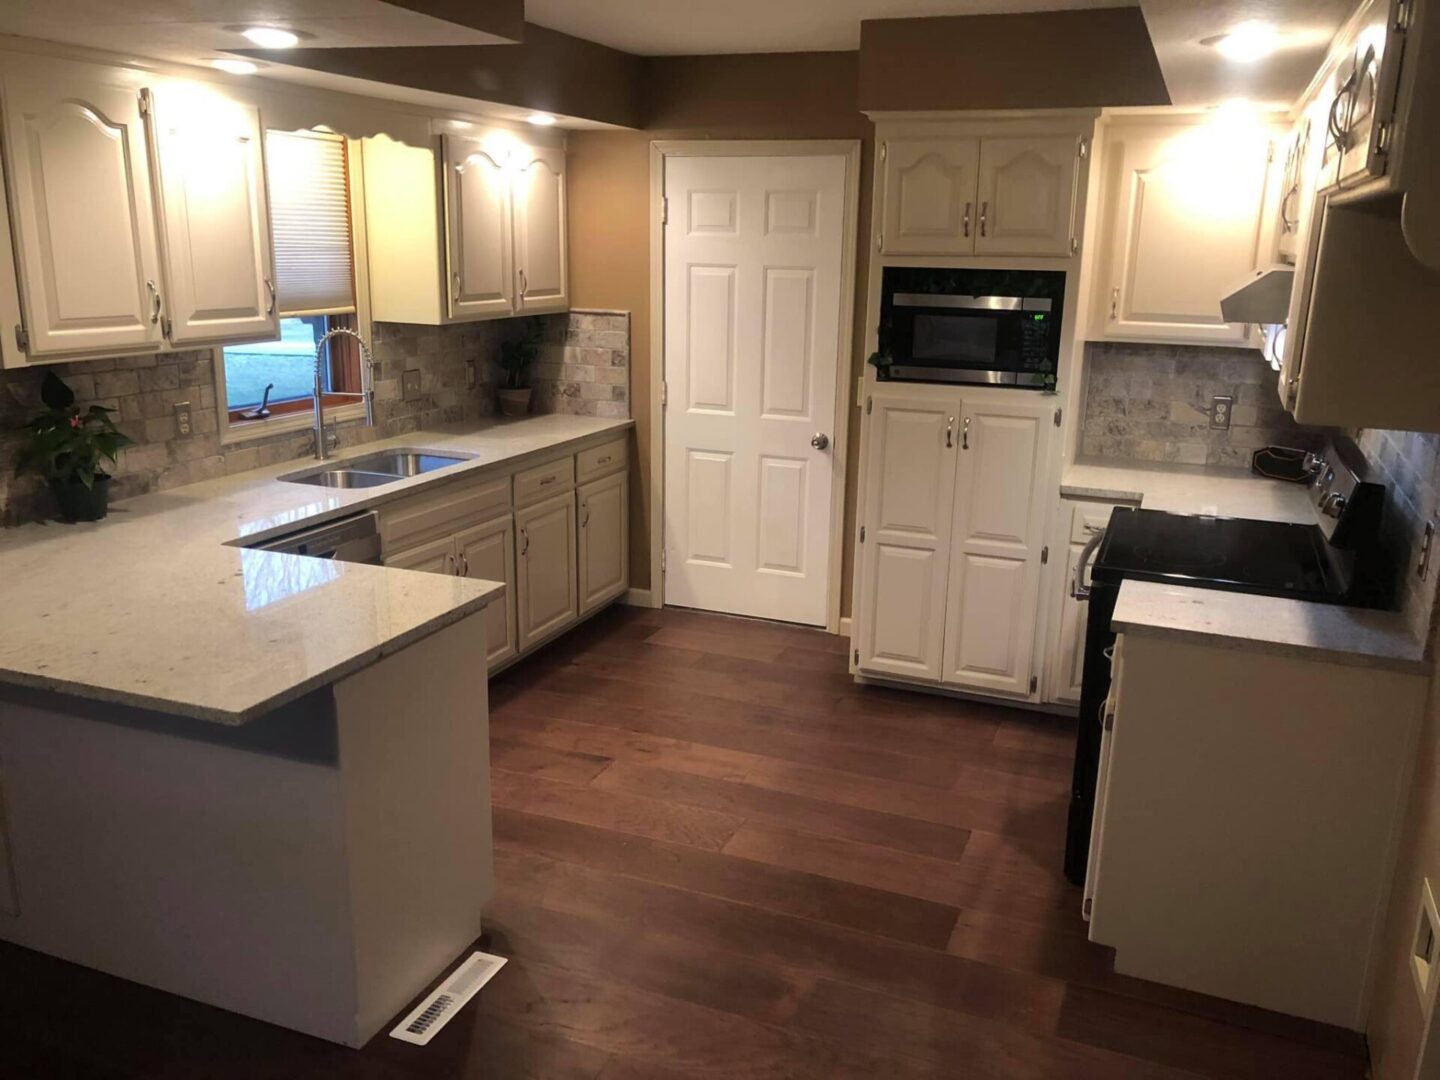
1409	462
584	368
1152	403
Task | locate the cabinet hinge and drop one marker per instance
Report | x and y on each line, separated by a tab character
665	210
664	394
862	534
1074	245
869	404
857	657
1403	13
1058	414
884	150
1270	152
879	241
1382	137
662	560
165	327
145	102
1083	150
1044	554
22	338
1089	900
1034	683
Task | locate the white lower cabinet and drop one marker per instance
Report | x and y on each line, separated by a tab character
952	538
1077	523
562	554
603	532
487	552
545	572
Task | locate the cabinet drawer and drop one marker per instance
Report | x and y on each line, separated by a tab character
412	520
599	460
543	481
1087	518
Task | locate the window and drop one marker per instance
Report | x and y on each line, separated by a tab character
316	274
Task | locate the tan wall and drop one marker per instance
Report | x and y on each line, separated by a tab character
1395	1028
778	96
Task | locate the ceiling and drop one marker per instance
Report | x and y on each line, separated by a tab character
689	27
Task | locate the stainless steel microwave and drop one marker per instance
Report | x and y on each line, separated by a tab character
989	339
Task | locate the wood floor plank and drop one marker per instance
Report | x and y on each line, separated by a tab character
781	808
747	646
548	762
810	896
618	812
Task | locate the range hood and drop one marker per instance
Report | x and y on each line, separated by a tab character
1263	297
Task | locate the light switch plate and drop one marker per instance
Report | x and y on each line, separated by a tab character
410	384
184	425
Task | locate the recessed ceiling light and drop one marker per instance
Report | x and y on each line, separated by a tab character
541	119
1247	42
271	37
234	67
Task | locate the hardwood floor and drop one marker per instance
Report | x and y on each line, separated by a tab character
719	857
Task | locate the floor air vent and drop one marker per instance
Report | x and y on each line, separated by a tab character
449	997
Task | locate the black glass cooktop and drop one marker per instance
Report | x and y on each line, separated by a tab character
1267	557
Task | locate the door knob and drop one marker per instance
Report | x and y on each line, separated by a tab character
820	440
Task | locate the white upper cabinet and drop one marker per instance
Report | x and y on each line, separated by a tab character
930	185
89	270
487	241
1183	208
996	543
215	227
540	268
479	242
911	442
1026	195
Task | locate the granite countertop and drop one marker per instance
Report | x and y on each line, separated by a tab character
1269	624
159	607
1190	489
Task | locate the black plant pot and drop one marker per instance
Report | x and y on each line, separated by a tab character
79	503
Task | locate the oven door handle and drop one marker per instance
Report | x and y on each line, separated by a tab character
1078	589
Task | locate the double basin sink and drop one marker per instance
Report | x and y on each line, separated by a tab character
378	469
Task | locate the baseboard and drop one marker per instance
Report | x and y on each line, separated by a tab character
845	625
639	598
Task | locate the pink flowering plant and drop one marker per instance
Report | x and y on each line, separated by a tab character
69	445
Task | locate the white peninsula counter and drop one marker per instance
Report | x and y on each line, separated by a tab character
256	780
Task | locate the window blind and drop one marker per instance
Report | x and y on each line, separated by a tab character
310	222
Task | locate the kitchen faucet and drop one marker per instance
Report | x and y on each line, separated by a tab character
367	387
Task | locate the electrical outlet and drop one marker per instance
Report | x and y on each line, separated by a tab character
1221	406
1423	957
184	428
410	384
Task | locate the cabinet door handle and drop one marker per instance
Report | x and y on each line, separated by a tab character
548	480
154	302
603	460
965	223
455	285
524	541
270	288
1115	303
524	284
984	215
586	519
949	432
464	565
965	435
451	560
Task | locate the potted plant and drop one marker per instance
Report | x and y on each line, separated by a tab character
68	447
516	356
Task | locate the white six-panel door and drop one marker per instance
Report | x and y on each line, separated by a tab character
996	544
83	217
753	276
911	447
215	223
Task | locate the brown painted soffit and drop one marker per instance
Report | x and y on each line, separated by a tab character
1049	59
503	18
1053	59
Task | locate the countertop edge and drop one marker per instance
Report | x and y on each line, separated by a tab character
1319	653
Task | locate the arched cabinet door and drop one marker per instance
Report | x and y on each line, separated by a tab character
214	217
929	202
479	264
1027	195
541	276
83	219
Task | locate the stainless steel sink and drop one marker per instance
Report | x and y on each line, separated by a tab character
378	469
405	461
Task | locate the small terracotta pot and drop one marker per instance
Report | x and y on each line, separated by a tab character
79	503
513	402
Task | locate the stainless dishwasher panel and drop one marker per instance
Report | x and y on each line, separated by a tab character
352	539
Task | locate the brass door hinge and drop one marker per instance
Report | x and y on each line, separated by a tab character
862	534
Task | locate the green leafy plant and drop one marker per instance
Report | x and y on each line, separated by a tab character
67	444
517	354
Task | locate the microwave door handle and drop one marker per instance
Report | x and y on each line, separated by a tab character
1078	589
